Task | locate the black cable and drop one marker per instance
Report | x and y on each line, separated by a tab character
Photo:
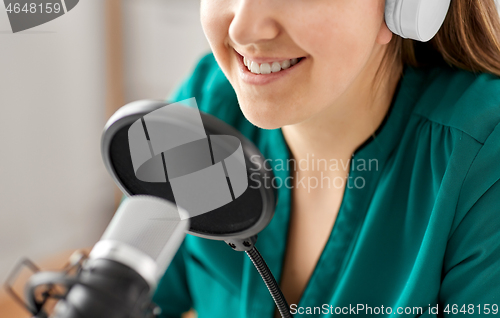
271	283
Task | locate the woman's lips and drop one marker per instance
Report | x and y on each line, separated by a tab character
270	70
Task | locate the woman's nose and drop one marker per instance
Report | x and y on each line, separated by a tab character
254	22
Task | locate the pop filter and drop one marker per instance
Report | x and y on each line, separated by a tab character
206	167
247	208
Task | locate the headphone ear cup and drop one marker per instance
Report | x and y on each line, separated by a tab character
418	20
393	16
389	16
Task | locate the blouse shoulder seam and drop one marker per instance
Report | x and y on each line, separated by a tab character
449	126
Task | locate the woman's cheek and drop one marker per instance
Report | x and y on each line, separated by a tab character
215	23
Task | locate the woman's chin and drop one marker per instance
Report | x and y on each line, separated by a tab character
267	118
265	124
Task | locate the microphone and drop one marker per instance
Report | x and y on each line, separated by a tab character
181	165
121	273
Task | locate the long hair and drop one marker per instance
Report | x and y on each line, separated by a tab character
469	39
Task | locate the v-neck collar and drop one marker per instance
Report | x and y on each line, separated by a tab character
255	298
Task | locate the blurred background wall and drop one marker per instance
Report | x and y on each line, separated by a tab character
59	82
163	40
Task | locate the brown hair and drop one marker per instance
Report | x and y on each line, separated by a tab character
469	39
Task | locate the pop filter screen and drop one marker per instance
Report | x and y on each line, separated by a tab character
248	210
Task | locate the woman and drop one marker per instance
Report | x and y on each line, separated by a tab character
398	209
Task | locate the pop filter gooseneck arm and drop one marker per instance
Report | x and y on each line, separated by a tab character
171	140
247	245
270	282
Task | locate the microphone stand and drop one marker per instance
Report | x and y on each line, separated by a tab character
68	278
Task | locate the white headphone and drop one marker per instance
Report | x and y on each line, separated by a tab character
416	19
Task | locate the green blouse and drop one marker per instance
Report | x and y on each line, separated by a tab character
422	232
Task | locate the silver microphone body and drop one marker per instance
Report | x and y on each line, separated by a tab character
124	267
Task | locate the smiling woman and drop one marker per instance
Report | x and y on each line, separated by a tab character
339	44
329	79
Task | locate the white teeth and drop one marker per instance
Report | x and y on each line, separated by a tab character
276	67
265	68
268	68
285	64
255	68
